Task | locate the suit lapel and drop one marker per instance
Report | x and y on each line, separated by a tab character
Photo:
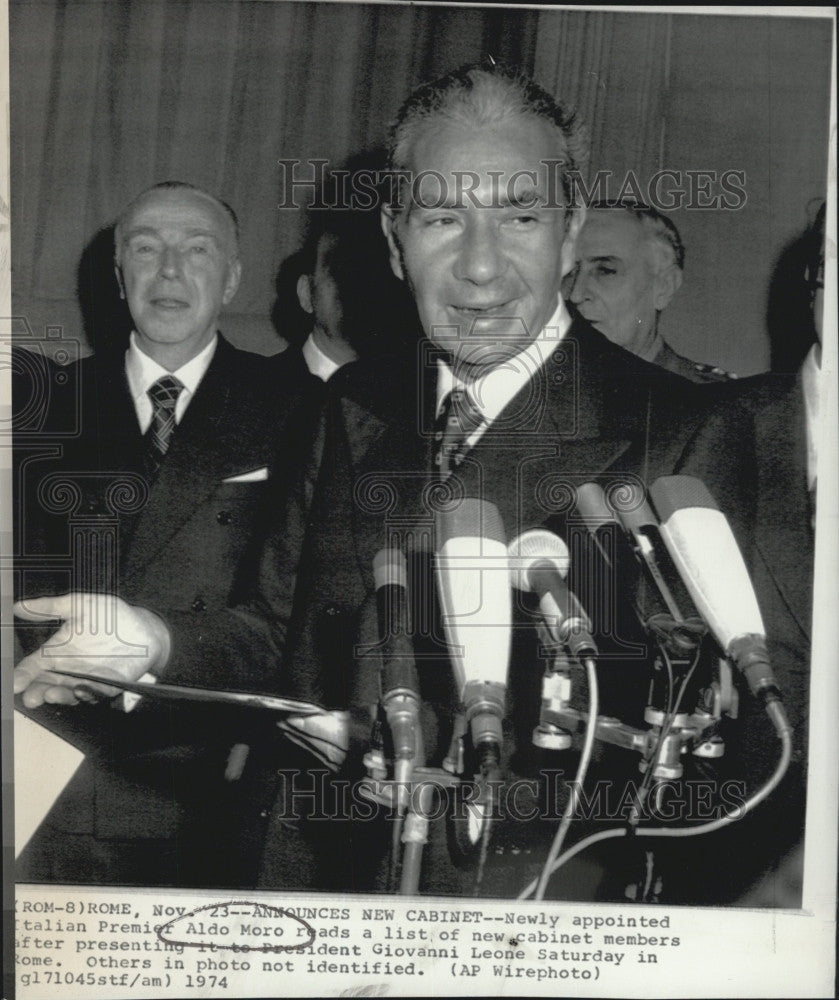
569	409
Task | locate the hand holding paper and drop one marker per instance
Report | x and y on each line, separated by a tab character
101	635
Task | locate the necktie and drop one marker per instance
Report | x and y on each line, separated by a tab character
163	395
458	420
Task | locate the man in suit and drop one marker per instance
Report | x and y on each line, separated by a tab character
158	508
482	235
785	410
629	264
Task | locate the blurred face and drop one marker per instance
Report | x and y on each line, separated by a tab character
318	292
618	284
178	267
481	241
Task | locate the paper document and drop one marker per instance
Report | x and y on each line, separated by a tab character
44	764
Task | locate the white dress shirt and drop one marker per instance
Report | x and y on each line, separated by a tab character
491	391
142	372
318	363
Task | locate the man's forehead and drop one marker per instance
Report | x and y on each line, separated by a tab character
519	143
184	208
610	232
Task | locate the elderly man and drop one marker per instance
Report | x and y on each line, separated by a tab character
180	438
629	264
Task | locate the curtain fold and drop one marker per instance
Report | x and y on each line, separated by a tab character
612	67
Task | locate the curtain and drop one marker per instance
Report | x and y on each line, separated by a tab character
108	98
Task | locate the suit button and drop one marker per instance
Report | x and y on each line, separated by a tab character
199	604
330	609
224	517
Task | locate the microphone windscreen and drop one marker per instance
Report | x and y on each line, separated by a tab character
705	551
592	505
471	518
532	548
390	568
474	586
672	493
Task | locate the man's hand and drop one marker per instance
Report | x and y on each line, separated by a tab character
100	635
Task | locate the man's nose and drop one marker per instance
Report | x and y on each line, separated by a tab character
170	262
481	258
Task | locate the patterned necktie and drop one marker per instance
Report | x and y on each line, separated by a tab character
458	420
164	396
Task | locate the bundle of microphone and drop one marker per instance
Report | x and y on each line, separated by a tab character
683	547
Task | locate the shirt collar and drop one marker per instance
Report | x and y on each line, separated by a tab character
142	371
318	363
494	389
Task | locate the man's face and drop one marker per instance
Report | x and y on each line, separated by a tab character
480	243
177	266
618	284
318	292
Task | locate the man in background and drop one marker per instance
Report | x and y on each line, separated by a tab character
185	443
629	264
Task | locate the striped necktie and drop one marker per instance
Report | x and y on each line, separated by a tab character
458	420
164	396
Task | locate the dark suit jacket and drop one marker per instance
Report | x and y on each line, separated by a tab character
181	547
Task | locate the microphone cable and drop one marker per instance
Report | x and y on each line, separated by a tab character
776	712
582	768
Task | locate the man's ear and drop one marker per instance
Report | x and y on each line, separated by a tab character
667	283
388	221
118	273
573	224
234	276
304	293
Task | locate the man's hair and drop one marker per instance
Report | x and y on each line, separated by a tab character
657	225
174	186
483	94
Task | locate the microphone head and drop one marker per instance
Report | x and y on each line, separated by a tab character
705	551
672	493
592	506
471	518
532	548
390	568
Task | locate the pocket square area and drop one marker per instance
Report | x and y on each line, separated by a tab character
255	476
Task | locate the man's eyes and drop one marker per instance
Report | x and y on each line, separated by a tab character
148	248
438	221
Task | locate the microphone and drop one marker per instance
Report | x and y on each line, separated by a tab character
641	524
398	673
612	563
704	549
539	564
474	587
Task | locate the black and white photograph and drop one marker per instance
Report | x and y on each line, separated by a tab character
420	489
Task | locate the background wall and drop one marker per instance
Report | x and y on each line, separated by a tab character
108	98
